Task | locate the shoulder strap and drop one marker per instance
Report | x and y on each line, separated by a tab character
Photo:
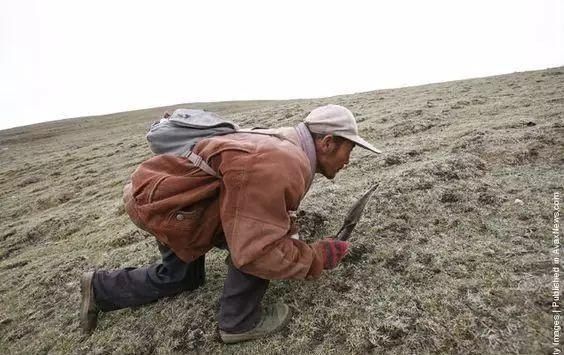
252	131
200	163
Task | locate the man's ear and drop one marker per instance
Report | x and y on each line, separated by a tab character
328	143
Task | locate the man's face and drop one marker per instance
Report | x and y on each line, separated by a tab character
331	160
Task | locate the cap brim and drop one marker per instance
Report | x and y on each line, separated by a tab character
361	142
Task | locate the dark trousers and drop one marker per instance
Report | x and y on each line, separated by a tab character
239	305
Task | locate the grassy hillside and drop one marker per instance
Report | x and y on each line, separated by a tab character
450	257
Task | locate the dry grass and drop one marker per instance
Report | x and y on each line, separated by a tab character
444	260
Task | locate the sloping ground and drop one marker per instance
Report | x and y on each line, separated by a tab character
450	257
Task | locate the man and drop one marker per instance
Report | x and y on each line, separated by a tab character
248	210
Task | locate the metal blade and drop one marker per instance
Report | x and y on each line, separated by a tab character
354	214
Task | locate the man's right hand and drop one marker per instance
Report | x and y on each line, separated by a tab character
333	251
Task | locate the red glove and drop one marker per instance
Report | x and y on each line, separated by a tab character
333	252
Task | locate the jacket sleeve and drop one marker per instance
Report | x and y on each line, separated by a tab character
257	193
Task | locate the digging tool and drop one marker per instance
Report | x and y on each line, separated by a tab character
354	214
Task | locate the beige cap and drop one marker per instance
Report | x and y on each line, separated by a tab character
339	121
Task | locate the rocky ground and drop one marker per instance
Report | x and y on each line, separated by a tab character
451	256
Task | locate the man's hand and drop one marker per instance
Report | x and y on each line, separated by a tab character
333	251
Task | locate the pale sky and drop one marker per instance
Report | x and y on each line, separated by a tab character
61	59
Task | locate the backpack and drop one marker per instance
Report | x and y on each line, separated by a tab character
179	133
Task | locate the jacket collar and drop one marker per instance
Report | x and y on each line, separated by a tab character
308	146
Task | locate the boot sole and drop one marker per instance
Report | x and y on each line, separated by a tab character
238	338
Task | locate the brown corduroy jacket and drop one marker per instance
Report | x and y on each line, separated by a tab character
263	178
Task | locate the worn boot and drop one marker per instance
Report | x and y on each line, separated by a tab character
88	309
273	318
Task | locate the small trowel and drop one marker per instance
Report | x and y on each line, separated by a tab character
354	214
